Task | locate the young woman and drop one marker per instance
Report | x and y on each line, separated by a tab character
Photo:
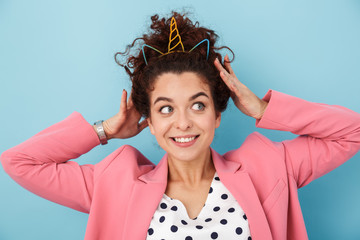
181	87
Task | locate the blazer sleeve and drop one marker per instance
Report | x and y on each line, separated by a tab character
41	164
329	134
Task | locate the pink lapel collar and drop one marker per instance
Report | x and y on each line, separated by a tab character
240	185
158	174
151	186
222	165
144	200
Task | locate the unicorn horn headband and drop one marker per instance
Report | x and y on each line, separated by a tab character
174	42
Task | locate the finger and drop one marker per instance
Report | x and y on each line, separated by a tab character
225	76
143	124
123	101
228	80
130	102
228	65
135	114
218	65
132	112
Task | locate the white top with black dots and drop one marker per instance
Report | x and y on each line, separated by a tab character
220	218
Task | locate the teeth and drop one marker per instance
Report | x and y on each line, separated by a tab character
184	140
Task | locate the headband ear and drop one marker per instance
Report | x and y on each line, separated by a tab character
145	45
208	47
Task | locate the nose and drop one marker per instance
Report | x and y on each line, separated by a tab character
183	121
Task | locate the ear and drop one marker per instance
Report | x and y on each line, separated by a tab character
143	51
217	119
208	47
151	127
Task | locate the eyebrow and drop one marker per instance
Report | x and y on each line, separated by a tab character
191	98
198	95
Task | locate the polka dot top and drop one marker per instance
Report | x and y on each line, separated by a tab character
220	218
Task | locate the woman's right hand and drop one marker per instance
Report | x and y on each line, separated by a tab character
125	123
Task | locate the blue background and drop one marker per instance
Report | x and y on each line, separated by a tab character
56	57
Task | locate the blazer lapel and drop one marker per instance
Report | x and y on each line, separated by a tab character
145	197
240	185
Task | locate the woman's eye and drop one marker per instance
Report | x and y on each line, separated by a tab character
198	106
166	109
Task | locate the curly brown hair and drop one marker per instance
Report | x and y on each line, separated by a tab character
143	75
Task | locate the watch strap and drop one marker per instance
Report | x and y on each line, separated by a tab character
101	132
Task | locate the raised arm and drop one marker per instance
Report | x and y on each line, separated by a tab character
41	164
329	135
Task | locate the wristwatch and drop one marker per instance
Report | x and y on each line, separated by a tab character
100	132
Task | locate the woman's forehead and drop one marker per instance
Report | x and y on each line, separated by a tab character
186	83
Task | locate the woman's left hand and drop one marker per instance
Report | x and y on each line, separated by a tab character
244	99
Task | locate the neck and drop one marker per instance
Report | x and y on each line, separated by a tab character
193	172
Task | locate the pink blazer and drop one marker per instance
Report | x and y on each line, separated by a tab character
122	192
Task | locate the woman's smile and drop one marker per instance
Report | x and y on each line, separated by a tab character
185	141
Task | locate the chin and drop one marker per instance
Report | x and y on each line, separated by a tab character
188	156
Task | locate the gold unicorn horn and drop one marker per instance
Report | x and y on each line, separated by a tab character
174	37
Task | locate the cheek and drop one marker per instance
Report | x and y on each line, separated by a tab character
208	123
158	126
